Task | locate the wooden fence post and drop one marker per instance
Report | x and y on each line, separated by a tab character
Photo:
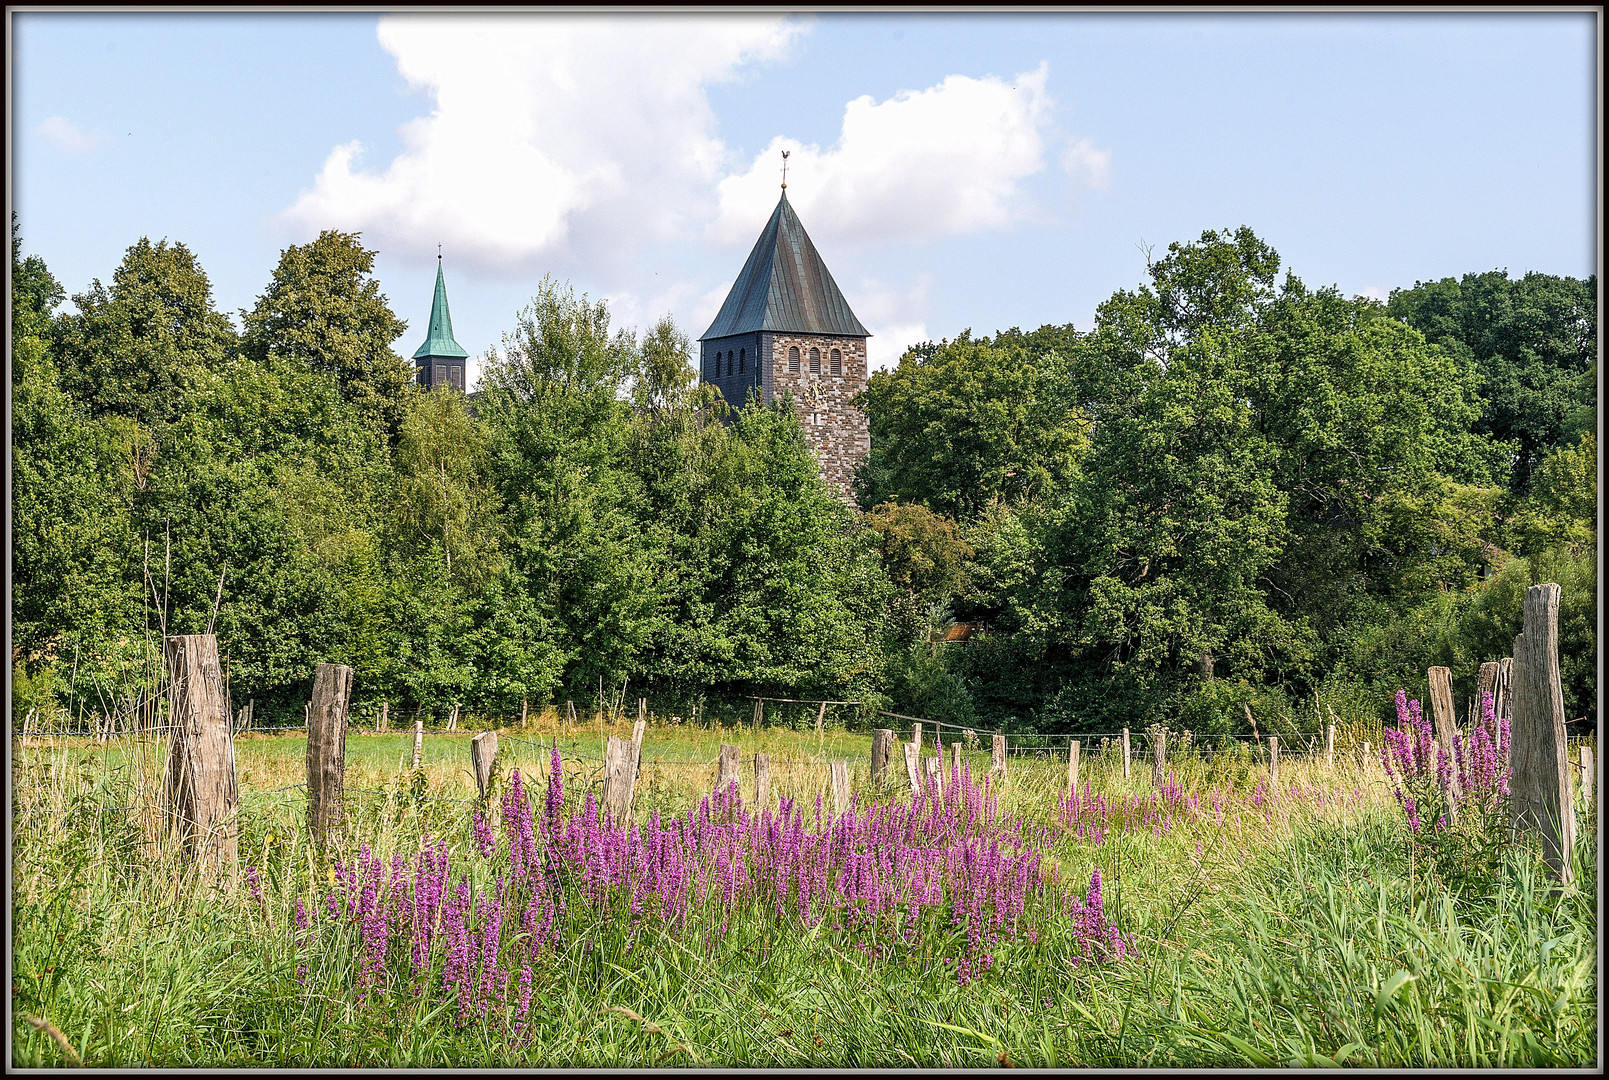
1273	759
882	750
385	716
642	710
1587	775
482	752
762	782
933	770
1503	695
1072	768
955	761
1363	762
1125	753
326	749
997	755
726	767
759	713
911	754
916	737
418	743
840	786
452	721
525	711
570	721
201	794
1441	704
821	723
1329	746
617	777
1540	800
1485	683
1159	751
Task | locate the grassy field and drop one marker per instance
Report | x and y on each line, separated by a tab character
1238	922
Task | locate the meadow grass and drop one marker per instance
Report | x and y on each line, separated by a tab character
1287	925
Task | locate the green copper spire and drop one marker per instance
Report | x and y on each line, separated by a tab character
440	342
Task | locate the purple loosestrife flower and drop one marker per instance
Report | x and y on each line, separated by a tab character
484	840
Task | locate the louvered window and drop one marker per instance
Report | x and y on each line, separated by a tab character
793	359
837	362
815	361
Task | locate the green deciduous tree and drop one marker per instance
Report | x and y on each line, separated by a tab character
324	310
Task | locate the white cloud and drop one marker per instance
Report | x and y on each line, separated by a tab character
1087	164
888	343
543	128
936	162
894	317
66	135
1376	292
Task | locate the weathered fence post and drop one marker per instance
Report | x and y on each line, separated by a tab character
200	788
1125	753
525	711
482	752
821	723
882	750
1503	695
1159	751
1273	759
997	755
570	720
1485	683
452	721
955	761
326	748
1364	760
916	737
1540	800
642	710
1329	746
933	770
840	786
1441	704
1072	768
762	782
1585	756
385	716
759	713
911	754
726	767
617	778
418	743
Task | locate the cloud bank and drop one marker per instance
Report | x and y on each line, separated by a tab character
66	135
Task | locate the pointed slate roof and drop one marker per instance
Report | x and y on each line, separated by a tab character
785	287
440	342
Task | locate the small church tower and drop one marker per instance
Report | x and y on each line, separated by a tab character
785	327
440	360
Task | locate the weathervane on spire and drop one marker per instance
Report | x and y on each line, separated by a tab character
784	170
438	253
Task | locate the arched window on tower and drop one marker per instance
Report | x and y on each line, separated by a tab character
438	376
793	359
742	360
837	362
729	361
815	361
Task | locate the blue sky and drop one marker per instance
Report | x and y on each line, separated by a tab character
955	171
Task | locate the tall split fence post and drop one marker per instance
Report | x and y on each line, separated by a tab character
911	754
1585	756
997	755
839	772
955	761
916	737
617	777
1159	752
1503	692
1485	683
933	771
482	754
1072	768
201	793
759	713
1540	800
1125	753
326	750
762	782
385	717
726	767
882	751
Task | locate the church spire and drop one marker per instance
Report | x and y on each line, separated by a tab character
440	342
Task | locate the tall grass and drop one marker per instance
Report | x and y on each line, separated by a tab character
1288	926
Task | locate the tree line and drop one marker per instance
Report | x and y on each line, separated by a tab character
1231	492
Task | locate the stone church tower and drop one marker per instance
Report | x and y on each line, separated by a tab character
785	328
440	360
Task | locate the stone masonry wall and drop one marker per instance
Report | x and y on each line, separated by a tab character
836	430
